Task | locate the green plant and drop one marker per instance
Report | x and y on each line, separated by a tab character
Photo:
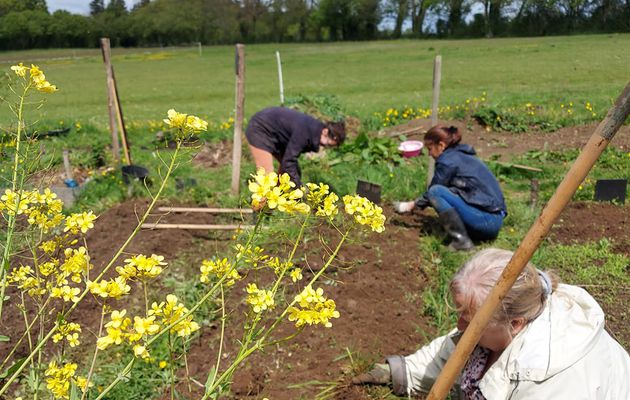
369	150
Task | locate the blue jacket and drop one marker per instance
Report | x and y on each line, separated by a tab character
466	175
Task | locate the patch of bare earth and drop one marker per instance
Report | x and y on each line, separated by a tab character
505	144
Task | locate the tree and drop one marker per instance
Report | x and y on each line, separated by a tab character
97	7
116	7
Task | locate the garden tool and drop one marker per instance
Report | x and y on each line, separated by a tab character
454	226
69	181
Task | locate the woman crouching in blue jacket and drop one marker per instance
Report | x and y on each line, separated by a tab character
463	191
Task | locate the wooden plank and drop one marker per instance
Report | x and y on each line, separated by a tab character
195	226
206	210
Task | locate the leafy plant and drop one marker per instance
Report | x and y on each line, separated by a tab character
369	150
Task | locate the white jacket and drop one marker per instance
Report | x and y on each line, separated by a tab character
565	353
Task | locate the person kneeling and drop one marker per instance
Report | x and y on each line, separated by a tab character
463	191
546	341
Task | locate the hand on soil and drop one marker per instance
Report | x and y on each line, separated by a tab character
379	375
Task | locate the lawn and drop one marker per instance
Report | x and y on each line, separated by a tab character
366	77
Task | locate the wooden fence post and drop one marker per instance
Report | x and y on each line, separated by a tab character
105	49
437	76
239	64
280	78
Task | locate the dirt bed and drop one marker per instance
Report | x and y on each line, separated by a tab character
379	299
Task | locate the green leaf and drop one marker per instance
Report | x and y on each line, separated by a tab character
4	338
11	370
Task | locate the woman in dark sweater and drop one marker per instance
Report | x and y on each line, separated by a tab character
463	191
284	134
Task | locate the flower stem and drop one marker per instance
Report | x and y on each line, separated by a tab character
15	186
89	375
103	272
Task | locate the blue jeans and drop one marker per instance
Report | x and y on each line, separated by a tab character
480	224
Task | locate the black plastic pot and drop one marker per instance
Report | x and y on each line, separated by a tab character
132	172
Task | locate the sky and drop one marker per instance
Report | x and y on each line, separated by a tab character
77	6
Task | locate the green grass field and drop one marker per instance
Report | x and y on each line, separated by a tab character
366	77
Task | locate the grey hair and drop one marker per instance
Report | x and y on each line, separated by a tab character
476	278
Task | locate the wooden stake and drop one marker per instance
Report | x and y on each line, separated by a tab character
206	210
196	226
437	76
106	51
121	120
280	78
603	134
239	64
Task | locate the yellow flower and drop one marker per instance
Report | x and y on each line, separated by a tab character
296	274
20	70
365	212
313	309
142	267
260	299
185	123
140	351
114	288
80	222
162	364
145	326
219	268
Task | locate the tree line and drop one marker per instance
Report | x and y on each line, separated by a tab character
28	24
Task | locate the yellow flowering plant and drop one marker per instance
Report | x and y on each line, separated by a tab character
48	286
61	275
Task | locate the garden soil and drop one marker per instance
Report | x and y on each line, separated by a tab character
379	298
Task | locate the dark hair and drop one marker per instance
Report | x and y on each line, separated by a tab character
441	133
337	131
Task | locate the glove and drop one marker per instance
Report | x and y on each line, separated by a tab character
402	207
379	375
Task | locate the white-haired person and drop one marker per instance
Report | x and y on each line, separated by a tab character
546	341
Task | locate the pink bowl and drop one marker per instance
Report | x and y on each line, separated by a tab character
411	148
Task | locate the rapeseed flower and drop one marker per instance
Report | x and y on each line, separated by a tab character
113	288
37	77
365	212
185	124
70	332
82	222
313	308
259	299
170	312
296	274
60	378
276	192
219	268
141	267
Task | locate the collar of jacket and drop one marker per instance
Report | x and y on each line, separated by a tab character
567	329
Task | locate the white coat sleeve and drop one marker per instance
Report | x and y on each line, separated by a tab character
418	371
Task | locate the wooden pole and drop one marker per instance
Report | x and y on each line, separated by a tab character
206	210
121	120
238	123
280	78
106	51
603	134
437	76
196	226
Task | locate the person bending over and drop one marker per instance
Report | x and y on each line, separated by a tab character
463	191
547	340
284	134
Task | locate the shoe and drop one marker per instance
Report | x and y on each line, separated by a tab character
454	226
